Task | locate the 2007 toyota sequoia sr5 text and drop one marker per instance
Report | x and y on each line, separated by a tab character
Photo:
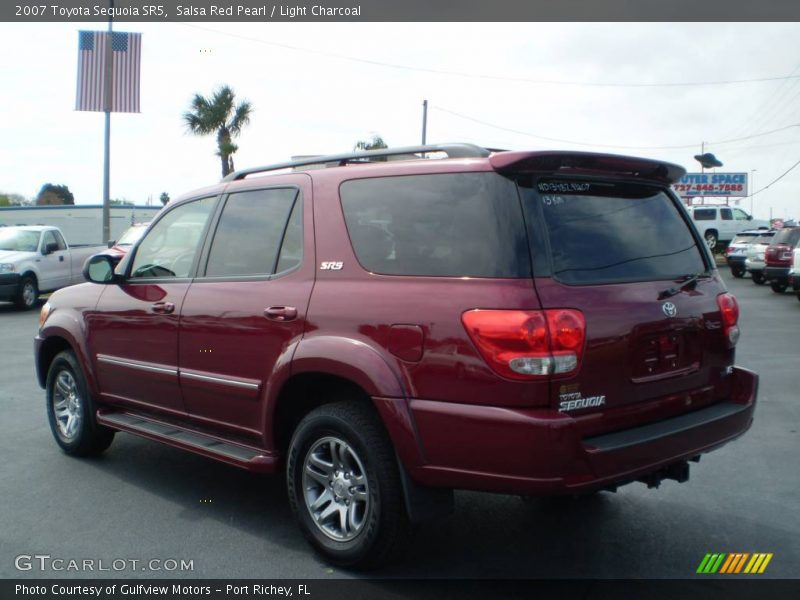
386	331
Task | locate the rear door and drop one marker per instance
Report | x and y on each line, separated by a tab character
618	252
248	304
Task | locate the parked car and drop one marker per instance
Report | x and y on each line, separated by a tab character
722	223
36	259
736	252
127	240
778	258
314	321
794	271
754	261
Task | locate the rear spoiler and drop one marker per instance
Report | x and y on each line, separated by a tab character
586	163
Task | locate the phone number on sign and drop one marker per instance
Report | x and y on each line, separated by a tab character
709	187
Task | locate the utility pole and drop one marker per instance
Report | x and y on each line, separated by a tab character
106	155
752	188
424	121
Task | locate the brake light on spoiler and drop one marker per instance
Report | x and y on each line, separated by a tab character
528	344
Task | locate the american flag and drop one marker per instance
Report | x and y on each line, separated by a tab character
126	49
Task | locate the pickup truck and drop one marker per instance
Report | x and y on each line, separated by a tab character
36	259
720	224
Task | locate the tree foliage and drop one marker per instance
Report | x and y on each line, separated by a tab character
54	194
219	114
374	143
164	197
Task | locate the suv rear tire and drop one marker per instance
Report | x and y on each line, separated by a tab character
778	287
737	271
344	485
71	411
711	239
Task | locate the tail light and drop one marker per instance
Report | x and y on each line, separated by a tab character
787	256
729	309
730	250
527	344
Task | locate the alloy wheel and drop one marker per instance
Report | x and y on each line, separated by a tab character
336	489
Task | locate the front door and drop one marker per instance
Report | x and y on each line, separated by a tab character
54	267
134	333
247	306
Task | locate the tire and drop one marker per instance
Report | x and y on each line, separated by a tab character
341	462
737	272
778	287
28	293
711	239
758	278
70	409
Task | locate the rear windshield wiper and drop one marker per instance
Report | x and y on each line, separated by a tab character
687	281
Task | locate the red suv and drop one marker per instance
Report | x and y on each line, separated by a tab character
778	258
386	331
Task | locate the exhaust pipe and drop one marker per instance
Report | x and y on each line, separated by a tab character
678	471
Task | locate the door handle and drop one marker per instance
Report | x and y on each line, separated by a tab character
163	308
281	313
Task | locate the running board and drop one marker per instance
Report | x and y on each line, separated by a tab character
245	457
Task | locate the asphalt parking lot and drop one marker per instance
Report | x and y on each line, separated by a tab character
145	501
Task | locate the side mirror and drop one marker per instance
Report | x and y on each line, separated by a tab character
749	217
50	247
99	269
111	243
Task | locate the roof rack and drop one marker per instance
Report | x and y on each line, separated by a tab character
452	151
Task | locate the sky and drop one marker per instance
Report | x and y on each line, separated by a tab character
320	87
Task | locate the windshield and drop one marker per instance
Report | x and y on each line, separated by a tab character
132	235
19	240
602	232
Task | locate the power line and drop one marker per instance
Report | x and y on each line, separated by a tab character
789	170
563	141
486	76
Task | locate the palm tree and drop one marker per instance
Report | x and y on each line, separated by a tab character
219	114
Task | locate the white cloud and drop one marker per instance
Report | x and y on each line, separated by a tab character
311	102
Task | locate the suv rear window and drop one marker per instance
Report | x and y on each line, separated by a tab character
744	238
788	236
448	225
615	232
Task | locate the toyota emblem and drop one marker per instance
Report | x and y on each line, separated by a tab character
669	309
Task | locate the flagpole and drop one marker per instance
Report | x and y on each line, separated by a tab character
106	155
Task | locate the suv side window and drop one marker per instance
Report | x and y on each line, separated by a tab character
725	214
171	244
705	214
250	232
739	214
446	225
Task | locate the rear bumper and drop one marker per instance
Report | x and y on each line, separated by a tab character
9	286
777	273
735	261
545	452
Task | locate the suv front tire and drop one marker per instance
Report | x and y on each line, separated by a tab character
71	411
